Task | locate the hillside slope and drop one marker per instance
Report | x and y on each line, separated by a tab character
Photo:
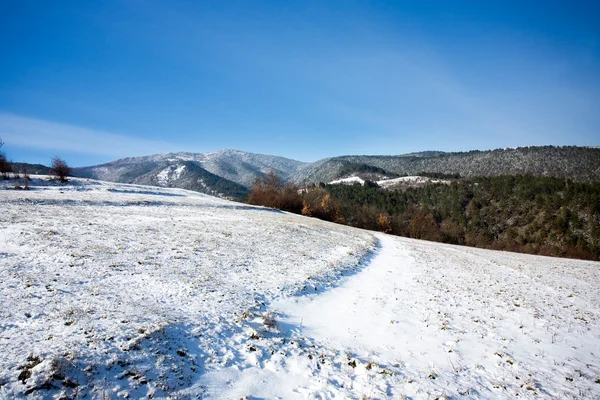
128	291
451	322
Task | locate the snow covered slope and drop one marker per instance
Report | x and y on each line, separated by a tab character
115	291
402	182
188	175
408	181
348	181
125	290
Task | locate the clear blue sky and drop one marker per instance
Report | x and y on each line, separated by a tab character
93	81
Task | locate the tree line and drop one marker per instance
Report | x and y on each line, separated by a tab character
522	213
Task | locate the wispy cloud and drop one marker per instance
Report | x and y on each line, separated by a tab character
46	135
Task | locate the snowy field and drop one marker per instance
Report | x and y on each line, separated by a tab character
121	290
125	291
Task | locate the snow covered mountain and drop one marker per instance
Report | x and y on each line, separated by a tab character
226	172
113	290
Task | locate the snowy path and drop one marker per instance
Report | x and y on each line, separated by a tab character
368	313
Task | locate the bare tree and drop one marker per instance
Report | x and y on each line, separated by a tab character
5	166
60	169
26	178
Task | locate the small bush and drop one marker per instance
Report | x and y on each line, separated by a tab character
269	320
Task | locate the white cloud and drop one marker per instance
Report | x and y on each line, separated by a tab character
41	134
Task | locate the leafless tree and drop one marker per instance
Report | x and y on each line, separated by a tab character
25	177
60	169
5	166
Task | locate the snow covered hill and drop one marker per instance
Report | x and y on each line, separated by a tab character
128	291
442	321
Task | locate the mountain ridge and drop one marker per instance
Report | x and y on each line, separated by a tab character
241	168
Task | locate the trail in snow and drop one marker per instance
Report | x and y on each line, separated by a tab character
449	321
366	314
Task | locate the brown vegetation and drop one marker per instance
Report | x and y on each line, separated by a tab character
269	191
318	203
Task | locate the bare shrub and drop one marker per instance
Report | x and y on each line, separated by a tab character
451	232
26	177
422	224
290	199
60	169
306	210
265	190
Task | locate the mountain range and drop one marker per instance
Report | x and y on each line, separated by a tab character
230	173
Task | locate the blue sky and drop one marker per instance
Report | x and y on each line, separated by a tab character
96	81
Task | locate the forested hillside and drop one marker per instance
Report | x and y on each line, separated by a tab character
235	166
576	163
523	213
